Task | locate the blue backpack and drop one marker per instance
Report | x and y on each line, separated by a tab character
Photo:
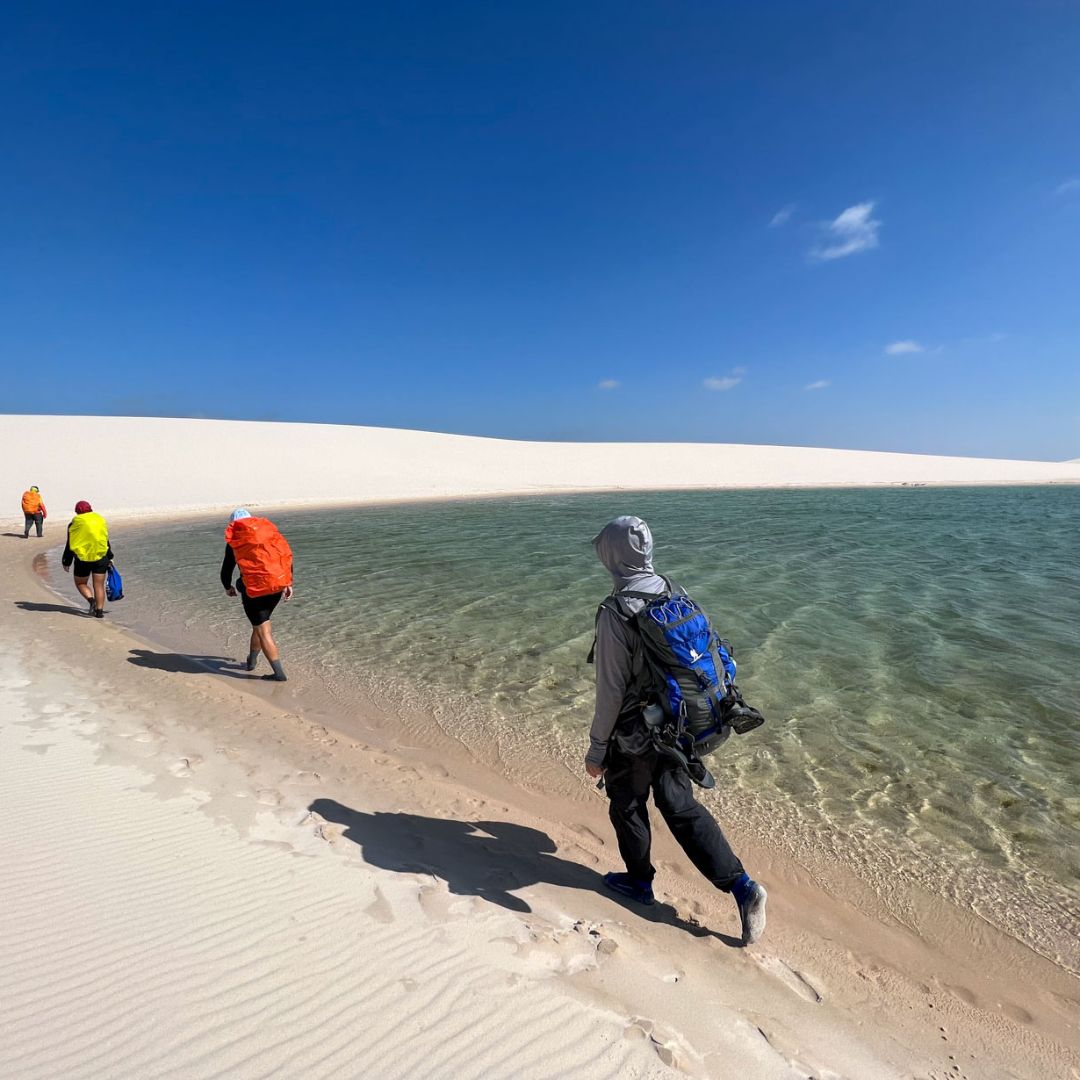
114	584
692	702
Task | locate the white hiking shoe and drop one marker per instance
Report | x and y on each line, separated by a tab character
752	913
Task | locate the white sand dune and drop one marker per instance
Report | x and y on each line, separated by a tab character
147	465
199	881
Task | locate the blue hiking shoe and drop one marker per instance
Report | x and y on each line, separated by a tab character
751	898
625	885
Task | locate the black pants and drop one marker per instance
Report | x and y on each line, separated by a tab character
33	519
628	779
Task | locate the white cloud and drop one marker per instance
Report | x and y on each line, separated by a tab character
819	384
782	216
608	384
903	348
725	382
852	231
1068	187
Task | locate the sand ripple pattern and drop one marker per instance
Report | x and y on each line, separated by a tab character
159	942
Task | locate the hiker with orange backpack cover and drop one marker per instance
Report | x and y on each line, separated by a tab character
256	548
34	512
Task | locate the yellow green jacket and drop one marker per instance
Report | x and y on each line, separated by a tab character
88	538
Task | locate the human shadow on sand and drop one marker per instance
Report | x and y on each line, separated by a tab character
64	609
189	664
489	859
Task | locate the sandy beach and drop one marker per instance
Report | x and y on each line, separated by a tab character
200	880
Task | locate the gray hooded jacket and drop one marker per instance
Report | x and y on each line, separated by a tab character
625	547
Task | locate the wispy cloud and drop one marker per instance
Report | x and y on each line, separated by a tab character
903	348
782	216
725	382
608	384
1068	187
818	384
852	231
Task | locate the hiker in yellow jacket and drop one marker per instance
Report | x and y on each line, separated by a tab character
88	548
34	512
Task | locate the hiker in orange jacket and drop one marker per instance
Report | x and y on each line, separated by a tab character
256	547
34	512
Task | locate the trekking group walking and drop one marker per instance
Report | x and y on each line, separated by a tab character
254	546
665	690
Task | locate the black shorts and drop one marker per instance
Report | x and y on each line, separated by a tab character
258	609
99	566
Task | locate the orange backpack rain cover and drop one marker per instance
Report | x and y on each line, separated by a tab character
32	502
263	556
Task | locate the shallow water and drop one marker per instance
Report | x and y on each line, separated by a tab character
915	652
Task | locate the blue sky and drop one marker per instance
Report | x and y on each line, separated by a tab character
599	221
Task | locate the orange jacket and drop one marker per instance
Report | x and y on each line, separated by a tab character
32	502
263	556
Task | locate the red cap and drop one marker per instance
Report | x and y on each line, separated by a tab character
83	507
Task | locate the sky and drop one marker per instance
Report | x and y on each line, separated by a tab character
808	223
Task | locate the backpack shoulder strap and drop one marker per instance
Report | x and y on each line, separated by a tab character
648	597
609	603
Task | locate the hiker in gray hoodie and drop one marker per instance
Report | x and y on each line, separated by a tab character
622	751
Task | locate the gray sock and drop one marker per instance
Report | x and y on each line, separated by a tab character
252	660
279	671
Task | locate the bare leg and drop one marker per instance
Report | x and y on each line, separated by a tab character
99	592
255	645
84	588
262	638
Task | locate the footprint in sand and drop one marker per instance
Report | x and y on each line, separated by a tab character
967	996
584	830
185	765
433	902
791	978
38	748
380	910
579	854
1015	1012
663	1043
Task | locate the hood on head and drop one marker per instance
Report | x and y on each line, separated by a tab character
83	507
625	546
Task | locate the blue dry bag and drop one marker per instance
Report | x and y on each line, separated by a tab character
114	584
